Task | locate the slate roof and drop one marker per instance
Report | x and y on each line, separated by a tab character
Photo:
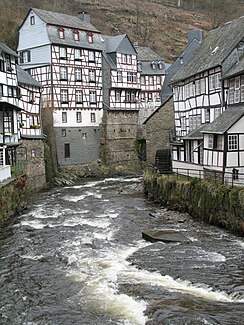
25	78
225	121
214	49
236	69
196	134
147	54
113	42
58	19
8	50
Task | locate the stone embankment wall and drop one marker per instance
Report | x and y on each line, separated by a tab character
12	197
220	205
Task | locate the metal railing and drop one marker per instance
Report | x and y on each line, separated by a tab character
233	178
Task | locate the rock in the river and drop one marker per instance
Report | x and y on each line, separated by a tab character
165	236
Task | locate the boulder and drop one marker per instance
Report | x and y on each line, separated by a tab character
166	236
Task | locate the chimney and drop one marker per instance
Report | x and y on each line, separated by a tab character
195	34
84	16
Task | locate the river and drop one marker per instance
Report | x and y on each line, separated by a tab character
77	256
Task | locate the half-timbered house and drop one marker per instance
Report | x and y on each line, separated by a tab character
121	82
64	53
152	69
30	153
159	125
9	110
201	92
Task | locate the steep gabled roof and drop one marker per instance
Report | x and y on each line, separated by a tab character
119	43
214	49
25	78
58	19
225	121
196	134
8	50
147	54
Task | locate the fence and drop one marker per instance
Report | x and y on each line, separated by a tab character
234	178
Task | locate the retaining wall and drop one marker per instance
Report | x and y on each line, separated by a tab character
220	205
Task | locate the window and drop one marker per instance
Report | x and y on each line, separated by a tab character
31	97
149	97
25	56
1	90
153	65
90	37
8	63
78	54
63	132
93	117
61	33
64	96
235	174
76	35
2	67
78	96
123	58
142	95
232	142
62	53
237	90
78	74
78	117
92	75
160	65
66	150
64	117
33	153
93	97
84	136
119	76
142	80
63	73
150	80
207	115
242	88
32	20
7	123
210	141
91	56
131	77
117	96
129	59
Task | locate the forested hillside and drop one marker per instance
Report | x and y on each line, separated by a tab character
162	25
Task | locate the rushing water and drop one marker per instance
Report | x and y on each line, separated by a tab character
78	257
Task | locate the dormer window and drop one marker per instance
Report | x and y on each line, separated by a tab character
32	20
153	65
61	32
90	37
160	65
76	35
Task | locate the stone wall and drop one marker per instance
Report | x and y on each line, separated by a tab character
12	197
30	157
119	136
220	205
158	128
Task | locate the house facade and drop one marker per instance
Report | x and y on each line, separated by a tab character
121	82
64	53
21	138
9	110
152	69
30	152
159	124
202	92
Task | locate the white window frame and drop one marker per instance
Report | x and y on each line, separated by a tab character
78	74
64	117
64	96
63	72
93	97
78	117
232	142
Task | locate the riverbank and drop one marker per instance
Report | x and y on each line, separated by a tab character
15	194
219	205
